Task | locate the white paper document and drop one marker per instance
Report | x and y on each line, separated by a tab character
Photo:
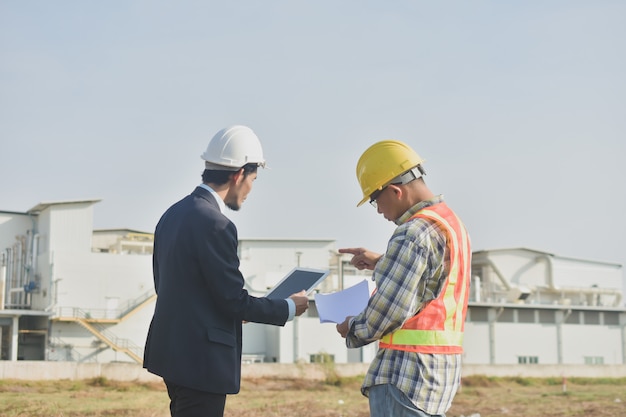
335	307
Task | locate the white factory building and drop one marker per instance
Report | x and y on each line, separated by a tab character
72	293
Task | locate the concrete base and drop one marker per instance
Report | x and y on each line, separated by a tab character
40	370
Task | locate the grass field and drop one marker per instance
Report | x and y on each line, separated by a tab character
484	396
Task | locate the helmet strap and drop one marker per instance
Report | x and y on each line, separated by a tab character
412	174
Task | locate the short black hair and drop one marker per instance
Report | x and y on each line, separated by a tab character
219	177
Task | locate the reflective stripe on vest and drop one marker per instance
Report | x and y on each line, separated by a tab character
438	327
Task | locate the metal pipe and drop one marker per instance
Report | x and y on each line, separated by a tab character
18	271
34	245
574	290
35	253
549	270
9	274
497	271
3	271
53	285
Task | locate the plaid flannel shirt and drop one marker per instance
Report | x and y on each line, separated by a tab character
411	272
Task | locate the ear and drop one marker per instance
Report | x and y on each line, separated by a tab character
237	176
398	191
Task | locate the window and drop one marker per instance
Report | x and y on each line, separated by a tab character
322	358
573	318
546	316
592	317
611	319
594	360
522	360
526	316
312	310
507	316
477	314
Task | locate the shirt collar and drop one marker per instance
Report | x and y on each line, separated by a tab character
219	200
419	206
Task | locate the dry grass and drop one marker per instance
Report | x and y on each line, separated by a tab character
546	397
484	396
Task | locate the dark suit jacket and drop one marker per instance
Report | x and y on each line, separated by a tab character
194	338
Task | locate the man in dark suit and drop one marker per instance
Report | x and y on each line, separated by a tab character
194	340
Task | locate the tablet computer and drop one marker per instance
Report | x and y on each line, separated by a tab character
296	280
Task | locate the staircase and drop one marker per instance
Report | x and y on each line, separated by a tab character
97	321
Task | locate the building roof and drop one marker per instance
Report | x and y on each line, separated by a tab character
21	213
44	205
122	229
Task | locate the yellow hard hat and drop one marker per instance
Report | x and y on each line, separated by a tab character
381	163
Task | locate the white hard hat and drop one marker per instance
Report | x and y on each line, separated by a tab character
232	148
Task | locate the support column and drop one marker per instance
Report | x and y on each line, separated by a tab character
561	316
296	339
15	327
492	316
622	322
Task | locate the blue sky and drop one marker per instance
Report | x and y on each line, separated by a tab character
517	107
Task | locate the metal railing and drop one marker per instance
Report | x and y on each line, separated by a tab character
94	321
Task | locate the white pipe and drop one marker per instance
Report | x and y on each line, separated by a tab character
3	272
53	285
17	265
9	274
34	254
19	270
477	289
576	290
493	266
549	270
32	249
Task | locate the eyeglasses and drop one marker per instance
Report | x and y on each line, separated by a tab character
374	197
405	178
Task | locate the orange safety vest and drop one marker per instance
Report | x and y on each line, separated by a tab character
438	327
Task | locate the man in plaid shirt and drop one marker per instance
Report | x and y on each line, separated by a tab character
417	312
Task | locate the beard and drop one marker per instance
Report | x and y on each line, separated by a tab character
233	206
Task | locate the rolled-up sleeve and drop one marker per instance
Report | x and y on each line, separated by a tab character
407	276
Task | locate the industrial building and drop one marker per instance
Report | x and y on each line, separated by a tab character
72	293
